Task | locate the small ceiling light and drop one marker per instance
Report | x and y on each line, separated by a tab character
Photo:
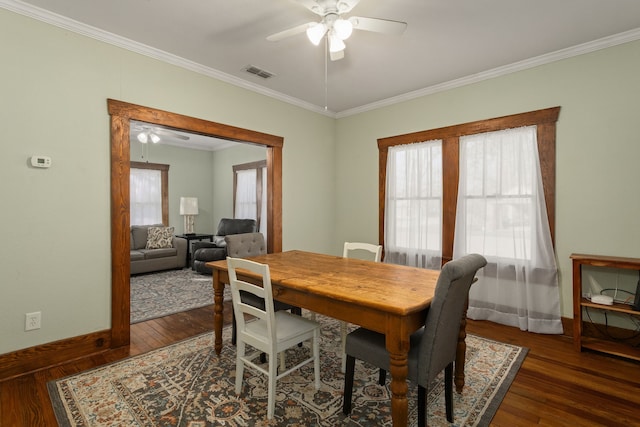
343	28
142	137
316	32
145	136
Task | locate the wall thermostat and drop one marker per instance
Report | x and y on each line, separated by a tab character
40	161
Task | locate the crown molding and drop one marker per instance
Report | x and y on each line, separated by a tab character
133	46
603	43
113	39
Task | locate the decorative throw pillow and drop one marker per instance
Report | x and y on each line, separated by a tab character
159	237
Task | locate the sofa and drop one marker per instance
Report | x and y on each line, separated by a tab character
155	248
204	252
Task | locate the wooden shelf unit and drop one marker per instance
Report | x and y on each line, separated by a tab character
601	344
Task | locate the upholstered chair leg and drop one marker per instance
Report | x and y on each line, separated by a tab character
422	406
233	328
382	377
298	312
448	391
343	340
348	384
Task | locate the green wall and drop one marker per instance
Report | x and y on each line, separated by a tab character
597	159
223	163
54	85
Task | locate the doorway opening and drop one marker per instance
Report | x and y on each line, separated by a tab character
121	113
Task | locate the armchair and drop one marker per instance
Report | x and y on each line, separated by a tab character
204	252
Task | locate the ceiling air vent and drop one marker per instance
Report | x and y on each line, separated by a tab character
258	71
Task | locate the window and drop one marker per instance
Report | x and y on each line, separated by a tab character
413	223
250	193
545	122
496	203
496	175
148	184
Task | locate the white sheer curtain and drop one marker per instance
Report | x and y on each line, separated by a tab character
251	196
501	214
413	206
246	194
145	187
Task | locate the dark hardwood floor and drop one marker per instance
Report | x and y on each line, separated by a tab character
556	386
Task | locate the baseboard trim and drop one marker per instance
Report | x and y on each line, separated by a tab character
567	326
47	355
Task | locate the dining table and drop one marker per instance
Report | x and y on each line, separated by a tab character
387	298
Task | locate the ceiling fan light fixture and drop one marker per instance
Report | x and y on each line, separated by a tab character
343	28
154	138
142	137
316	32
335	43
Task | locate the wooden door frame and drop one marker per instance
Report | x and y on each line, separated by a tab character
121	113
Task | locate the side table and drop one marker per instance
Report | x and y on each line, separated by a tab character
189	238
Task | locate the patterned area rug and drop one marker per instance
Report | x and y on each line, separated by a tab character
186	384
168	292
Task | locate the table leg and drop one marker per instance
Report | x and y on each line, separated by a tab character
218	290
398	351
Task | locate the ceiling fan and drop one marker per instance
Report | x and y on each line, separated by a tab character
335	26
148	133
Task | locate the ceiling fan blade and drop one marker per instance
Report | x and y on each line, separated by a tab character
377	25
345	6
335	56
312	5
290	32
170	133
321	7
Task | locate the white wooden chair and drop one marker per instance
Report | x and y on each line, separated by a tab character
268	331
376	251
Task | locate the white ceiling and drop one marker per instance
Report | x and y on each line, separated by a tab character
447	43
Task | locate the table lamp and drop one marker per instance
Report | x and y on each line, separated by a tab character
189	208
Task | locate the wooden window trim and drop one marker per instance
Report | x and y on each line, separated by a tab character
164	184
545	120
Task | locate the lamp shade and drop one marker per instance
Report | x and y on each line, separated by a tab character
343	28
316	32
188	206
335	43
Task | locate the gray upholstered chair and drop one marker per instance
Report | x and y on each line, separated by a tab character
433	347
246	245
204	252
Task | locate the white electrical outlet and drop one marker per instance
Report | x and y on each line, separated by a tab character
32	321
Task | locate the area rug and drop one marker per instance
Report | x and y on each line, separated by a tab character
186	384
167	292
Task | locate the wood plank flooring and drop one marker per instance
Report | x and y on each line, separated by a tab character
556	386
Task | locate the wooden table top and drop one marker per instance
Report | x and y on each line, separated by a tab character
395	289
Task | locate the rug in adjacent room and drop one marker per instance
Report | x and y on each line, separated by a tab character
167	292
186	384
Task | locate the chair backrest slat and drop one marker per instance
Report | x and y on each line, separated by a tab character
376	250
